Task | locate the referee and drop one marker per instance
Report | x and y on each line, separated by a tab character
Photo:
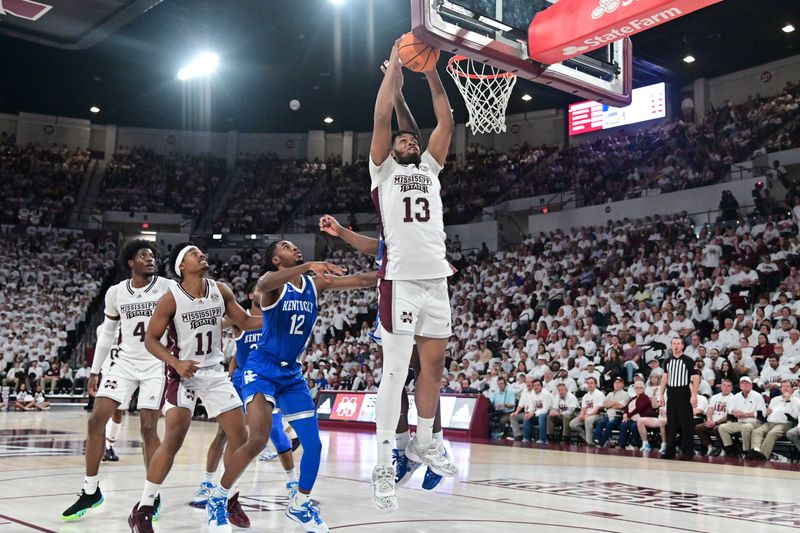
681	382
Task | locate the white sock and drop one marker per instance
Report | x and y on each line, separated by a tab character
385	447
209	477
291	475
396	357
221	492
402	440
112	432
299	499
424	431
234	489
149	494
90	484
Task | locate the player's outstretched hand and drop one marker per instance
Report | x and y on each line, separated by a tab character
185	369
91	387
322	268
329	225
398	79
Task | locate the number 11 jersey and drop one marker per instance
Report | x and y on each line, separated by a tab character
409	205
288	324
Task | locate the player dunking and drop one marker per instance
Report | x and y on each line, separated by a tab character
129	306
193	311
246	342
414	300
273	374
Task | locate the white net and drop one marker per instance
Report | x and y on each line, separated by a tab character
486	91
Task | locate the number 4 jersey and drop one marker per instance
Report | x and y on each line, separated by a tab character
409	205
134	307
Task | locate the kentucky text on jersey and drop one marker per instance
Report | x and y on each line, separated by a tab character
137	309
298	305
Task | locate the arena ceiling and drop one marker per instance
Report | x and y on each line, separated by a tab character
122	56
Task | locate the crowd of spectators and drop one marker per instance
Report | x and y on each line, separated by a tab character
50	281
268	192
137	179
39	184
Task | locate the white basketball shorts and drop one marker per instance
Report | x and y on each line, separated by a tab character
212	385
419	308
121	380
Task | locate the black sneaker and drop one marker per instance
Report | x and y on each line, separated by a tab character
110	455
157	507
82	506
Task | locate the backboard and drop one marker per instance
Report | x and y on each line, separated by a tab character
496	32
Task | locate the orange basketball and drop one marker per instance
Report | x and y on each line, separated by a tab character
416	55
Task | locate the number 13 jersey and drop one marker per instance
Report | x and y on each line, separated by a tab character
288	324
409	205
134	307
195	332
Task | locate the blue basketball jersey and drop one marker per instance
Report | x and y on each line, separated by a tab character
245	343
288	324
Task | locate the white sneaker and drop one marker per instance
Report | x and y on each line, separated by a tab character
268	455
722	454
777	458
291	488
432	456
201	497
307	515
383	494
663	448
630	448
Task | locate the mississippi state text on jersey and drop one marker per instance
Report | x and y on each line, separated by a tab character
196	329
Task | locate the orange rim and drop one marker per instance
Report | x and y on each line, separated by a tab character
463	74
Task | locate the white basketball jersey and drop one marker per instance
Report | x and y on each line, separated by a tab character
409	205
134	307
196	329
113	355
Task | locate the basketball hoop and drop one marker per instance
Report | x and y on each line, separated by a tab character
486	91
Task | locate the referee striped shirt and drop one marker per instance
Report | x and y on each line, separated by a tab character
680	371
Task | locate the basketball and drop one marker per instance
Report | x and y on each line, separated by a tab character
416	55
294	105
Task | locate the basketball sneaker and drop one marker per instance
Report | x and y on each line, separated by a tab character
201	498
432	479
81	507
432	456
157	507
236	514
404	468
217	515
110	455
383	489
141	519
646	448
268	455
307	515
291	488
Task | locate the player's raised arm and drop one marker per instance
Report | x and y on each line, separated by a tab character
362	243
274	280
236	312
381	145
343	283
159	322
439	143
405	120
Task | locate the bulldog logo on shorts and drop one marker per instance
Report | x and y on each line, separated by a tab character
110	384
190	395
406	317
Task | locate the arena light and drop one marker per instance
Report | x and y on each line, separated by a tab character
203	65
253	236
94	109
689	59
787	29
327	120
149	232
217	236
337	2
527	98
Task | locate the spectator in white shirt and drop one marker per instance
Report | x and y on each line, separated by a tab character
777	424
565	404
729	337
791	346
716	415
591	405
745	406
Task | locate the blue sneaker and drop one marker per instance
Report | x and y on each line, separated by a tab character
291	489
201	498
432	479
217	515
307	515
403	466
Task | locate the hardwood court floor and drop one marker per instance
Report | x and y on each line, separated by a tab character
500	488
